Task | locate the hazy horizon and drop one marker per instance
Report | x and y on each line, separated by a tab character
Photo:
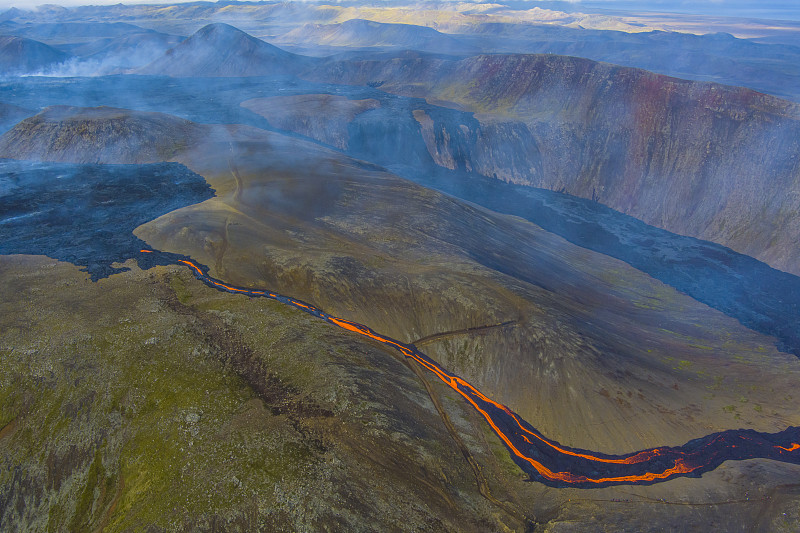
779	9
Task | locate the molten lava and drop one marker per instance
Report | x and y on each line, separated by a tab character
548	461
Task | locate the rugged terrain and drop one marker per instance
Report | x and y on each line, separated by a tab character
647	145
135	397
599	340
644	144
479	291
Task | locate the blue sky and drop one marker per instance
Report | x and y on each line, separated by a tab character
779	9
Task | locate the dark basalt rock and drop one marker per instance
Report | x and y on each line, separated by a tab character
85	214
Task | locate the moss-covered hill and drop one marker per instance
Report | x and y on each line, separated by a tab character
149	402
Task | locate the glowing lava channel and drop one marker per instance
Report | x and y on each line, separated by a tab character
548	461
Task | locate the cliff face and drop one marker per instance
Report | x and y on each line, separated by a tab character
710	161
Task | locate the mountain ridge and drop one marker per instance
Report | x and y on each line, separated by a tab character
23	55
222	50
355	33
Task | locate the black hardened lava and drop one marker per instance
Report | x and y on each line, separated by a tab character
86	214
546	460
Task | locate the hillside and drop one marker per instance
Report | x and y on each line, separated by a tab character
20	55
101	134
179	407
222	50
365	34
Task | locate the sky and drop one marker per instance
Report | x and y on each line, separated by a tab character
777	9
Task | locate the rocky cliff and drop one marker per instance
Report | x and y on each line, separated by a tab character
706	160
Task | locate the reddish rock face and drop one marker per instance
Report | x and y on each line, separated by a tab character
711	161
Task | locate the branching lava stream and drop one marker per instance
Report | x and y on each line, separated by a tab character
546	460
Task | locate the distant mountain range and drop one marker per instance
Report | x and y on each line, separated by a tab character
70	32
80	49
317	39
458	29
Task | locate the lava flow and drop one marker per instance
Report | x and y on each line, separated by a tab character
546	460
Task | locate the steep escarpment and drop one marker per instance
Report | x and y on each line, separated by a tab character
711	161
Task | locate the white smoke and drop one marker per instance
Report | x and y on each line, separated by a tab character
103	64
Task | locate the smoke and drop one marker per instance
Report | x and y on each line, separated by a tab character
119	61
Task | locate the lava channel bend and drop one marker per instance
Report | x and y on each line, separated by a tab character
543	459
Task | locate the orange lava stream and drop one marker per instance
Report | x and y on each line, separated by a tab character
456	383
469	393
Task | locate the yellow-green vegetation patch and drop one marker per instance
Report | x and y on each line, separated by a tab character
500	452
133	402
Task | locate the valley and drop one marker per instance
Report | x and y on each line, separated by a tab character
555	294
